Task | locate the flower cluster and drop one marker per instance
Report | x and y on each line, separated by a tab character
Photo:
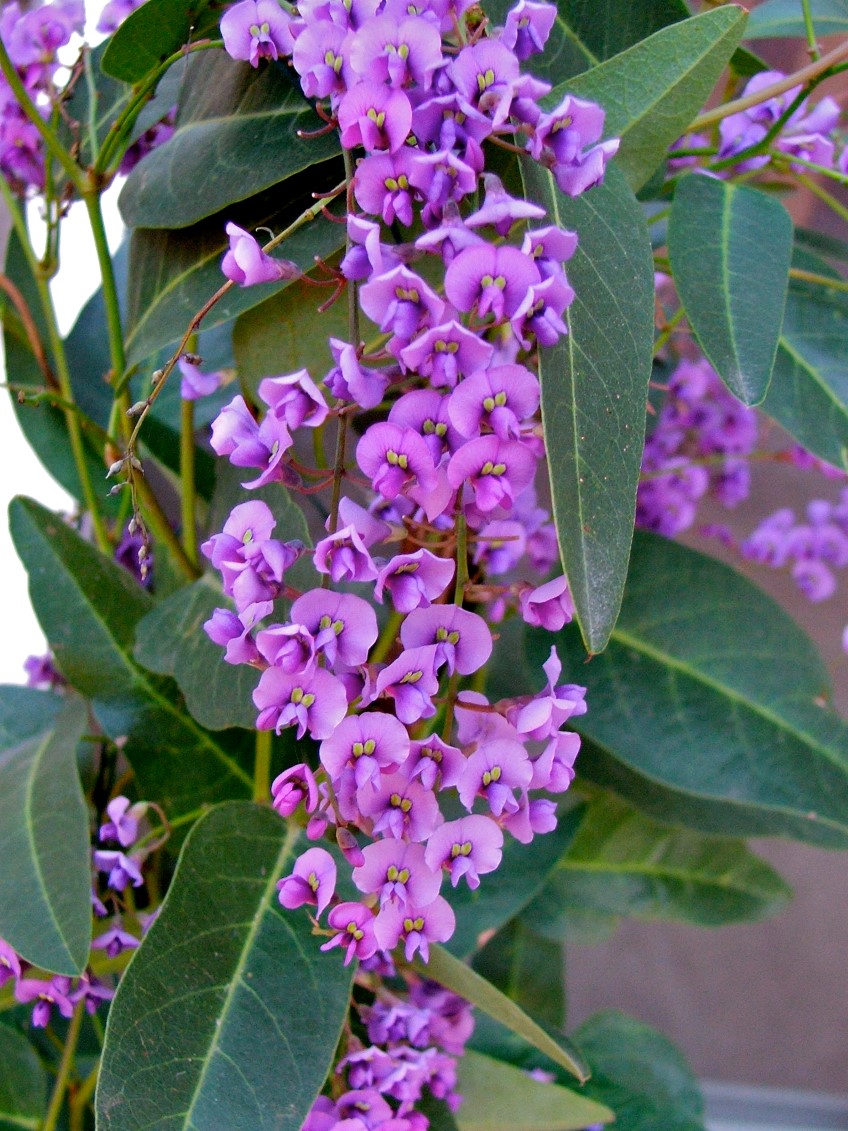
700	443
32	36
460	312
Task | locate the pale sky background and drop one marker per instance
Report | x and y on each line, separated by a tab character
20	470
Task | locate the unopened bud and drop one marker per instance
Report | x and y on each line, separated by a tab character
114	468
193	358
142	553
137	409
136	463
132	526
157	376
350	848
116	490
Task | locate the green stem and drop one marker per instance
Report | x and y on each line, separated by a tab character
822	170
81	1098
29	108
162	528
461	558
819	280
762	146
65	1064
262	766
387	638
804	75
187	490
822	193
121	128
810	29
110	290
670	326
63	376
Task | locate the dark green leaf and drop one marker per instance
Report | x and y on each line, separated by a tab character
437	1113
808	394
703	662
640	1074
23	1083
809	240
170	640
237	134
461	979
229	1013
527	968
522	872
88	608
652	91
173	273
623	863
500	1097
588	31
45	881
780	19
594	389
153	32
730	249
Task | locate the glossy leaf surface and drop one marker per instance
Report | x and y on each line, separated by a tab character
23	1083
454	975
730	249
623	863
783	19
88	608
201	1032
652	91
527	967
594	390
500	1097
237	134
704	662
45	881
640	1074
153	32
521	874
808	394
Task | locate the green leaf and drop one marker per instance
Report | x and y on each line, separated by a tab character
522	872
500	1097
45	881
730	249
454	975
640	1074
170	640
237	134
588	31
23	1083
623	863
709	708
808	394
153	32
229	1013
652	91
88	608
173	273
782	19
528	968
594	390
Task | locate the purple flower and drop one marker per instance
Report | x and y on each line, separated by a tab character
349	380
122	869
290	647
549	606
493	771
382	186
401	52
491	279
344	556
501	397
468	847
446	352
122	825
436	764
500	210
344	627
10	964
527	27
367	743
414	580
320	58
374	116
354	925
114	14
539	314
392	457
256	29
115	941
463	640
292	787
484	75
401	303
296	399
236	434
195	384
313	881
415	927
46	995
227	630
397	871
246	263
315	701
412	682
560	141
498	470
401	809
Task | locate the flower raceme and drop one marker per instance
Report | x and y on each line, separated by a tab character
464	294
